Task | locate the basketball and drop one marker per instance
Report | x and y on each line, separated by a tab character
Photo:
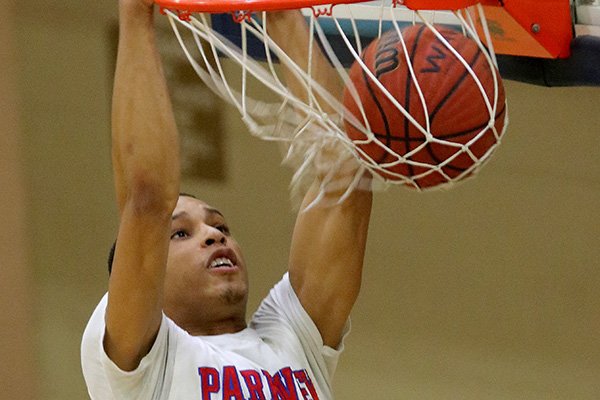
455	106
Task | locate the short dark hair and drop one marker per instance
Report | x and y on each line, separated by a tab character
188	195
111	256
111	253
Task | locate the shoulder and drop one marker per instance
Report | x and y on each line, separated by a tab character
103	377
91	352
282	313
94	330
283	323
280	301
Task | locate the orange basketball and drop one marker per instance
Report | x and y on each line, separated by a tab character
455	105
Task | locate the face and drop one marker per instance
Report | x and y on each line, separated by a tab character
206	276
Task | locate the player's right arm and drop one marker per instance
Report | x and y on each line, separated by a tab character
146	171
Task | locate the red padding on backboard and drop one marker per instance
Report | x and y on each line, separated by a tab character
553	18
518	27
529	28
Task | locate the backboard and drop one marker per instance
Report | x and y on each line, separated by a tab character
554	45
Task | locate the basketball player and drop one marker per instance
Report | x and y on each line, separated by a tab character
173	323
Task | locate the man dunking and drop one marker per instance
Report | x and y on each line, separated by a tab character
173	323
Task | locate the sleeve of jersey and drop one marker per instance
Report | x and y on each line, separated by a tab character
283	314
106	381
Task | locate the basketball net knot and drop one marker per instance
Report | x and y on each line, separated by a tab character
324	10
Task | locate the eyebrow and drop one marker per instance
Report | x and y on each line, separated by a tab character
212	210
209	210
179	215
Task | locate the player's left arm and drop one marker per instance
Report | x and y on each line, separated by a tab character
326	259
328	243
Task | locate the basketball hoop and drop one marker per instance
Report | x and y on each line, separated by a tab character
318	122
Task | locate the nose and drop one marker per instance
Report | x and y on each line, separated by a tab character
213	236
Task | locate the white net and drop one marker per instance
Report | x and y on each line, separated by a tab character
406	129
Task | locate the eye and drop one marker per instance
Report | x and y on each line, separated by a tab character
223	228
180	234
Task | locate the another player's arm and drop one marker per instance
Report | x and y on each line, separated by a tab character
146	171
328	243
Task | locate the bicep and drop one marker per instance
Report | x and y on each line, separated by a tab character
326	260
134	307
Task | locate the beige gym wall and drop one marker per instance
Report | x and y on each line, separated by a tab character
488	291
17	369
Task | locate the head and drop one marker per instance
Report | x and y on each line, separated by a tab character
206	281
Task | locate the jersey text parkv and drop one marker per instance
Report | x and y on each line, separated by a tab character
259	384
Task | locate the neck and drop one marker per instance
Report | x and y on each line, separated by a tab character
209	321
219	327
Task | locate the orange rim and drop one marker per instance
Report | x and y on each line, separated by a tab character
438	5
220	6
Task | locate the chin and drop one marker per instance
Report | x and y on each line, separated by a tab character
230	291
231	296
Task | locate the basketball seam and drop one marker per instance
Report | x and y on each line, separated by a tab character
411	56
379	107
464	132
453	89
441	137
448	95
457	134
389	138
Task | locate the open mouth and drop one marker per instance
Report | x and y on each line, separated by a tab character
221	262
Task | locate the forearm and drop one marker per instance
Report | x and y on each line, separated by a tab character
146	168
145	142
326	259
290	32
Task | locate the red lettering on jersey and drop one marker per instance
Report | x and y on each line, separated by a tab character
209	381
279	389
254	384
285	384
306	386
231	384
